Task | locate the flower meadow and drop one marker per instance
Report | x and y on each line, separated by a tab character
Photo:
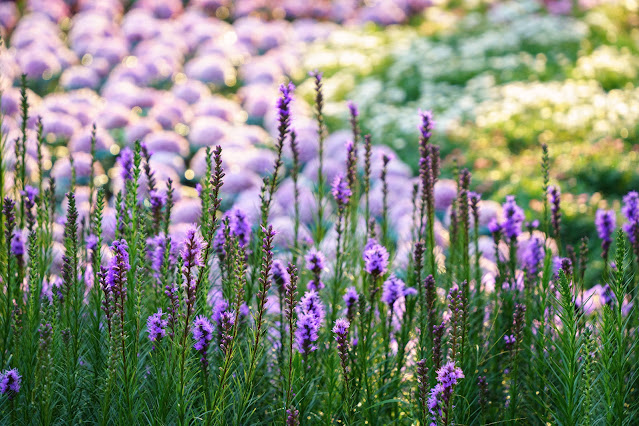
173	252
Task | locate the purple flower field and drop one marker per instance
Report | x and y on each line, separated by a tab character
188	236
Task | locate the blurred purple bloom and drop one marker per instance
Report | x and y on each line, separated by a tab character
17	243
630	209
394	289
340	190
513	218
315	261
126	163
375	258
534	255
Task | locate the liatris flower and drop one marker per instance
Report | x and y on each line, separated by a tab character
518	321
226	324
191	257
126	163
351	169
291	292
307	332
426	125
157	201
173	311
283	107
118	267
513	218
422	386
438	334
630	209
202	334
375	258
30	193
456	306
91	242
9	218
605	221
10	383
533	256
341	191
440	395
555	200
482	384
393	290
431	297
17	244
494	227
292	417
311	303
239	228
341	337
280	277
351	298
156	326
315	261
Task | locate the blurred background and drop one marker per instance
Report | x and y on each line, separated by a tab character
501	77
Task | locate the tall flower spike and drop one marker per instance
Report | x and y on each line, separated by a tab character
341	192
315	262
226	325
513	218
292	417
191	258
307	332
202	334
422	387
630	209
351	298
440	396
10	382
126	163
156	326
281	277
533	256
341	337
375	258
555	207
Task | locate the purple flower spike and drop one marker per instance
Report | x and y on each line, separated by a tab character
630	209
311	303
605	221
513	218
534	255
351	298
126	162
307	332
281	278
438	402
375	258
341	192
156	326
202	333
394	289
353	109
315	261
426	124
10	382
17	244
